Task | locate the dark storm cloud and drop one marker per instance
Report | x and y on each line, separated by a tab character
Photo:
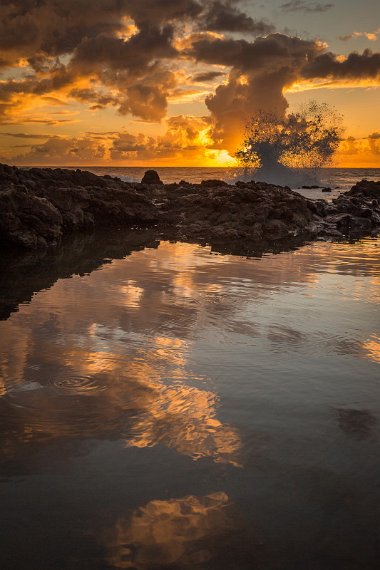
55	27
136	53
224	17
302	6
276	49
97	37
260	71
356	66
34	29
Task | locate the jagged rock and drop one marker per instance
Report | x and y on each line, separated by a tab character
151	177
251	210
366	188
213	183
40	206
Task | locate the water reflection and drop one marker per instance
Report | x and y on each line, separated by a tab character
184	418
107	355
356	423
156	373
102	395
183	532
371	348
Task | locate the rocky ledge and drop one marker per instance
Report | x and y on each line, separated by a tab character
39	206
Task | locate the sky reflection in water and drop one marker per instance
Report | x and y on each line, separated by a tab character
181	409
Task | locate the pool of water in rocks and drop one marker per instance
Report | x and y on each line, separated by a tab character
182	409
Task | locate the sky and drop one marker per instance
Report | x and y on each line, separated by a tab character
174	82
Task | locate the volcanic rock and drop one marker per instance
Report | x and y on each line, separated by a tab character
151	177
39	206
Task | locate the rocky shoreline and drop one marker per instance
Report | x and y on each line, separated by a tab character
40	207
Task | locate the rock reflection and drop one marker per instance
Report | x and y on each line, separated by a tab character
162	534
356	423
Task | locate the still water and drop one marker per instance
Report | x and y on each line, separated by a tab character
177	408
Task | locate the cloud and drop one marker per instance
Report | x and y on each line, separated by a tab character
260	71
302	6
52	27
59	150
184	138
355	66
207	76
101	44
222	17
139	57
371	36
363	151
374	143
26	135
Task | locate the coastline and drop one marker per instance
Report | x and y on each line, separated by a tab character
40	207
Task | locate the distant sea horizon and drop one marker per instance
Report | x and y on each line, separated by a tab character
338	179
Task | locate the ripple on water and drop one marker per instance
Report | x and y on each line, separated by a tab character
79	385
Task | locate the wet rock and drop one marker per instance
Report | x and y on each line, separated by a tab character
213	183
251	211
28	220
366	189
319	207
151	177
38	207
360	226
342	222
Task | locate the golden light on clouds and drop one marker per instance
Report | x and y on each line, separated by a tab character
134	68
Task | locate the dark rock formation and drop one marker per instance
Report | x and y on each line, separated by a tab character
252	211
151	177
213	183
357	212
38	207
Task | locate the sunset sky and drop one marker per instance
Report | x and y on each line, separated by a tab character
172	82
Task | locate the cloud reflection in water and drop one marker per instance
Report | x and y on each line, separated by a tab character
182	531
